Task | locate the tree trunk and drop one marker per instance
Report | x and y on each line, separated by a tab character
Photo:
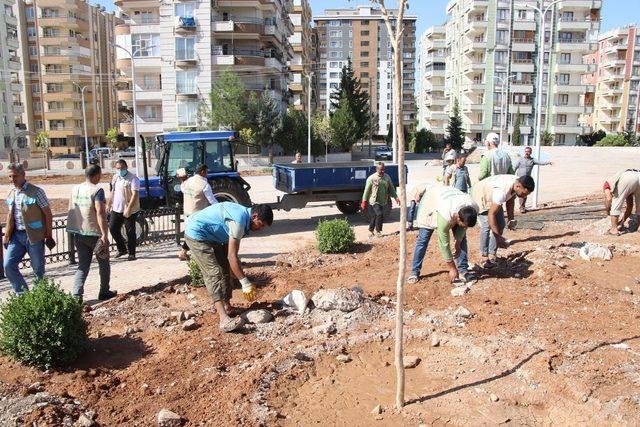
271	154
397	89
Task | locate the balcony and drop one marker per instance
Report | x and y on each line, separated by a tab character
435	73
524	108
142	62
61	96
571	88
476	25
571	68
569	129
57	39
63	114
13	41
16	86
522	65
237	56
64	132
583	4
18	107
14	63
615	63
524	25
575	24
65	4
186	59
243	27
276	63
125	95
568	109
68	22
572	45
185	24
524	45
522	86
476	5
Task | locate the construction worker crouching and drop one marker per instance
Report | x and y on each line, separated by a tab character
623	188
213	235
446	210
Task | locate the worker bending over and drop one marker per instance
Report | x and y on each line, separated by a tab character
622	187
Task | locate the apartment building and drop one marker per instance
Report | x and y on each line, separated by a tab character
431	78
495	42
12	129
67	46
615	78
179	48
360	34
302	62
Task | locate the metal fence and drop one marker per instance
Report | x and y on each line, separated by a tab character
153	226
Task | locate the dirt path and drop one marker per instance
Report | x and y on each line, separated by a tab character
550	339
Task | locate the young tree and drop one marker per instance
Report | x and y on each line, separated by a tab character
395	37
389	138
546	138
454	128
422	141
345	127
358	100
515	136
42	142
228	107
322	132
265	119
112	137
292	136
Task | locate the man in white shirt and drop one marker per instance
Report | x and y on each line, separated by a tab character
298	158
490	194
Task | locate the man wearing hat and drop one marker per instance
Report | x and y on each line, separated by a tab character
495	161
197	195
87	222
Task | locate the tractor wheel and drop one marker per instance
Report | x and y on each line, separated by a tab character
348	207
368	212
227	190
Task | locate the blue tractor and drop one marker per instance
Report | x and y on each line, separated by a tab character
187	150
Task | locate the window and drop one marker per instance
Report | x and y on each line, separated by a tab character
560	139
501	56
335	43
364	32
31	31
33	51
561	119
364	22
186	81
567	16
334	23
145	44
30	13
334	64
501	36
563	99
565	58
333	85
335	33
33	67
364	54
334	75
39	124
187	113
335	54
37	106
364	43
185	10
503	15
364	75
562	79
149	112
35	88
185	48
145	16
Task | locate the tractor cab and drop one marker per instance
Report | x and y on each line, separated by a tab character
187	150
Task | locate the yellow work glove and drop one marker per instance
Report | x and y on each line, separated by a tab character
248	290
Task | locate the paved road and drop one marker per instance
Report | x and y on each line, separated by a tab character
576	171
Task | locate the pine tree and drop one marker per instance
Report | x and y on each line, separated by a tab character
454	128
265	120
344	125
515	136
228	106
350	91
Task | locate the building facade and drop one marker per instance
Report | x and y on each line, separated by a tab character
180	48
360	35
67	46
616	78
494	42
302	62
431	76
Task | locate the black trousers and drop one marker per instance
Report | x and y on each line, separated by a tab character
115	226
376	218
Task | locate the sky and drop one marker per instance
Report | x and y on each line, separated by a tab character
615	13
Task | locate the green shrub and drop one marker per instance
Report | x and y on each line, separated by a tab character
335	236
613	140
195	274
44	327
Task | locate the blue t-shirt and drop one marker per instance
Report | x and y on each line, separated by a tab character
217	222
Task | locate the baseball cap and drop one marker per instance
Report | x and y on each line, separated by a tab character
181	173
493	138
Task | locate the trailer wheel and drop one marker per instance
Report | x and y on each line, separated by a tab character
227	190
368	212
348	207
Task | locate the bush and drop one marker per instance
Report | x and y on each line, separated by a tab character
44	327
613	141
335	236
423	141
195	274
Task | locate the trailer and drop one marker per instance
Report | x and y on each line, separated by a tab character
342	183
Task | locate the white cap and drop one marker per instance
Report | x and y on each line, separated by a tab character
492	138
451	155
181	173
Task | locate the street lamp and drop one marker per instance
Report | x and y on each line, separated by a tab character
503	104
538	124
84	120
310	77
132	55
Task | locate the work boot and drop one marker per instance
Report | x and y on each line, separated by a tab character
131	258
121	254
489	264
103	296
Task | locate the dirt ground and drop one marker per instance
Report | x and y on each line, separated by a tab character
549	338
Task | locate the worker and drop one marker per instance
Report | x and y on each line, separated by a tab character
29	227
523	167
490	194
449	160
124	205
197	195
448	148
623	187
298	158
213	235
458	175
87	222
495	161
377	192
447	210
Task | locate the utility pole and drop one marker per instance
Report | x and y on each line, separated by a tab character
309	119
394	123
370	116
84	121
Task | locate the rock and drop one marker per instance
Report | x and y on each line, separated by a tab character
303	357
344	358
190	325
591	251
178	315
460	291
84	421
166	418
337	299
257	316
35	388
385	299
462	313
435	341
494	398
628	290
159	322
297	300
326	329
377	410
559	264
129	330
411	362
